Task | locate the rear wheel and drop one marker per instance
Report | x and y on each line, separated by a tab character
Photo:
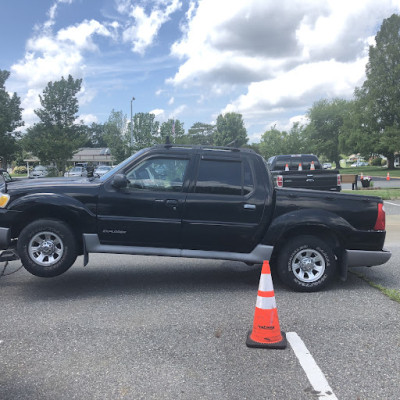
306	264
47	248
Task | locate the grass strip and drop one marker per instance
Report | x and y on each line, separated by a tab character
386	194
393	294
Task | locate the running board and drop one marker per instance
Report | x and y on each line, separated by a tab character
257	256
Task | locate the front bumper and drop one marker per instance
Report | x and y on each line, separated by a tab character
5	238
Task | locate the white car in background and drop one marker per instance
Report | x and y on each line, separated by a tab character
76	171
101	170
359	164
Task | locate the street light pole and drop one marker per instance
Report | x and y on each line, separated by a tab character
132	125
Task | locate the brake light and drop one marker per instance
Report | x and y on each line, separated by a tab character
279	181
339	182
380	219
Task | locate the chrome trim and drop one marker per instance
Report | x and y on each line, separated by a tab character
364	258
257	256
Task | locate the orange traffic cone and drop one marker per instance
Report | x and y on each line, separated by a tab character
361	176
300	167
388	177
266	331
312	167
286	167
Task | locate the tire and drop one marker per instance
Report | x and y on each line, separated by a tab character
306	264
47	248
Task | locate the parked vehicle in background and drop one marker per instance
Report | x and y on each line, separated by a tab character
359	164
196	202
327	165
76	171
5	175
100	170
303	171
41	171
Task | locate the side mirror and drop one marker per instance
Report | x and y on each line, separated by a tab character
120	181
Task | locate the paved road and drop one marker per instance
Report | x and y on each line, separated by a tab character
158	328
378	182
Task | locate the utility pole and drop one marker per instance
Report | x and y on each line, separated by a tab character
132	125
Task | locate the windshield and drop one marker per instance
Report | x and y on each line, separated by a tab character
76	169
39	168
121	166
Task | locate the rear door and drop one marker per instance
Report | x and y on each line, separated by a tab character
224	206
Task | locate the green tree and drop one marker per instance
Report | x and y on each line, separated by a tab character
273	142
145	130
378	100
201	134
326	125
57	136
230	130
10	119
117	137
95	135
174	129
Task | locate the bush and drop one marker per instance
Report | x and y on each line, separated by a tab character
20	170
377	162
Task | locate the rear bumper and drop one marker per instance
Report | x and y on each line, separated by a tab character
5	238
363	258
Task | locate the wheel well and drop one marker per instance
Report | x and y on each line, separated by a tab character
319	232
70	218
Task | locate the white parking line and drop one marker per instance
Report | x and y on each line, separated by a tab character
310	367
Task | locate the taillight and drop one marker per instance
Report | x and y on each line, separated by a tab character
339	182
279	181
380	219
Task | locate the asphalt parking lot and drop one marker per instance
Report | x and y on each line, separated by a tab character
162	328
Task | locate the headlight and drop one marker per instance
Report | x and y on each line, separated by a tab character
4	199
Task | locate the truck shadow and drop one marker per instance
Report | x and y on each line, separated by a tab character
80	283
160	278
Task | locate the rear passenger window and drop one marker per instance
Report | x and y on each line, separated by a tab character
224	177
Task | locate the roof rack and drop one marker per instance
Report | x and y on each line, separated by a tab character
169	145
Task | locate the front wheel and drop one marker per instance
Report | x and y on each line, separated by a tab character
306	264
47	248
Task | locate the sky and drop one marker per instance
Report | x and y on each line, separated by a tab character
191	60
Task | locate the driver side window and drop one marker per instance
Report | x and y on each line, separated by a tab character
158	174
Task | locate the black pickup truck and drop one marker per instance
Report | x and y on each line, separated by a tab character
303	171
193	201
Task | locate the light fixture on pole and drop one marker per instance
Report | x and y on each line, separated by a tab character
132	124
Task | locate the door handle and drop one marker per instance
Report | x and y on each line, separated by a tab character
172	203
249	207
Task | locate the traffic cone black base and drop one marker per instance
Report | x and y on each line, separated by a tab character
278	345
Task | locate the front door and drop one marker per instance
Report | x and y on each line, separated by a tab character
148	212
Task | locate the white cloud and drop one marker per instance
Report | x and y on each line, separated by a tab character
50	56
171	101
87	119
158	112
179	110
81	36
294	88
146	26
283	55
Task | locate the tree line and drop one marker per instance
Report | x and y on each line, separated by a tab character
368	124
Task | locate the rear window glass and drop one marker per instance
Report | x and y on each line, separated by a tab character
294	162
